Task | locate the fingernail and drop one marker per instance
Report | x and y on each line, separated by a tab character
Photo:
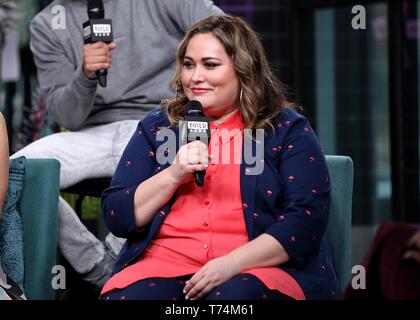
184	291
187	297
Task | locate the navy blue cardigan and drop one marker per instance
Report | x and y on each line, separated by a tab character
289	200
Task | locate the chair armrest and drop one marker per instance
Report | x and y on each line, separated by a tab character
38	205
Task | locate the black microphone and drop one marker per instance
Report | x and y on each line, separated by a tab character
97	29
195	126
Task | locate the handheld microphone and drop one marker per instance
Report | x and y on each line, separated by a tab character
195	126
97	29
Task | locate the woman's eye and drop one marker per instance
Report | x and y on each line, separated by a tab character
210	65
188	65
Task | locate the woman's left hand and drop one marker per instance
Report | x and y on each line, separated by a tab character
212	274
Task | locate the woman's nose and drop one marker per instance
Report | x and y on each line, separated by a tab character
198	75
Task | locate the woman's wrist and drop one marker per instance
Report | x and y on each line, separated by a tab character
235	262
173	176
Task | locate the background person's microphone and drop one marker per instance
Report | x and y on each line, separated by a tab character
195	126
97	29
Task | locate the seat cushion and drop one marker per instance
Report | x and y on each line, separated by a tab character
11	225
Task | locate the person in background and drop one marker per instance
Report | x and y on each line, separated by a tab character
9	290
245	234
4	181
392	265
100	121
412	251
4	162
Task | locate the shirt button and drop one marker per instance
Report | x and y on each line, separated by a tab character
207	203
205	246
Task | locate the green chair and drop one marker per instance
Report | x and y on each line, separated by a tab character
38	205
39	202
339	224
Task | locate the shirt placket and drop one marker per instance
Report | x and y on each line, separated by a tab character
207	192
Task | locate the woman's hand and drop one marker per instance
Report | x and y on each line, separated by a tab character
212	274
191	157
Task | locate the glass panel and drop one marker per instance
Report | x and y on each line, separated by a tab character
352	107
350	91
379	111
410	113
271	19
325	79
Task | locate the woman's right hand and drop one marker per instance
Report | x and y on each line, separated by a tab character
191	157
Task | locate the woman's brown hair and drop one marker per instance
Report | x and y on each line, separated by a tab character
262	95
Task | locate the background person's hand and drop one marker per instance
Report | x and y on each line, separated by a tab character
97	56
191	157
212	274
413	247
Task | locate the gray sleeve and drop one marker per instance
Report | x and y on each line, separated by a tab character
70	95
192	11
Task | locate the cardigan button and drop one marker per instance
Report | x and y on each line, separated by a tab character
205	246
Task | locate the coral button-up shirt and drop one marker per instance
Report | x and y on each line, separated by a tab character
205	222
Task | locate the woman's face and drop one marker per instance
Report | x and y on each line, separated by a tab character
208	75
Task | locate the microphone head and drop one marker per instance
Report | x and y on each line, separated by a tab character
194	108
95	9
196	127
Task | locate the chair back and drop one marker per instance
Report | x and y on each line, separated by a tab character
38	204
339	224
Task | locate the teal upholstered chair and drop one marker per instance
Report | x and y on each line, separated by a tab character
339	224
38	205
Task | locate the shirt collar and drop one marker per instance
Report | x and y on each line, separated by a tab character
235	121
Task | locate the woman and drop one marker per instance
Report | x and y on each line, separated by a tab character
4	162
241	235
392	265
9	290
4	182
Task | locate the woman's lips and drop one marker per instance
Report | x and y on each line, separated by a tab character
199	90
